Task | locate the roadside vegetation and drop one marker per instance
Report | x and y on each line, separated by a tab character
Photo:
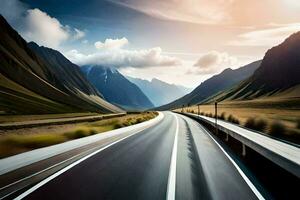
5	118
278	120
256	124
14	142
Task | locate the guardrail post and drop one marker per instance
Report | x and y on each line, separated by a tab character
243	150
216	116
227	137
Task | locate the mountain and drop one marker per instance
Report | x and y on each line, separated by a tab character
218	83
160	92
116	88
40	80
278	74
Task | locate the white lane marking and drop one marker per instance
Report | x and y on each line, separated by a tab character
243	175
52	166
43	182
48	168
172	172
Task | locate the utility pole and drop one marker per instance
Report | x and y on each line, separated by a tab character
216	116
198	111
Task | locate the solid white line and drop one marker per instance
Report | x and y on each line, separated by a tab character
43	182
48	168
172	172
39	172
249	183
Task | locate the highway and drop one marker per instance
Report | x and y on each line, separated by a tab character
175	158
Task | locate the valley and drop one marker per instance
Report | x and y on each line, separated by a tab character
144	99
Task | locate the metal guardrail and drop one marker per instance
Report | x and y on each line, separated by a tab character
283	154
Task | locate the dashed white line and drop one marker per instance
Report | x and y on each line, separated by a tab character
172	172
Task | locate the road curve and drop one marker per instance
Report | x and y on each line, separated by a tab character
174	159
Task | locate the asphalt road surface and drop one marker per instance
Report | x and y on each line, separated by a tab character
174	159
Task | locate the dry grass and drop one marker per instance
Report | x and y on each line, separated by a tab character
243	112
22	118
268	112
12	143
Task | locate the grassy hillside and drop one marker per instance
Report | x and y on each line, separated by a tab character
40	80
214	85
277	75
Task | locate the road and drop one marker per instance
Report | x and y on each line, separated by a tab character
174	159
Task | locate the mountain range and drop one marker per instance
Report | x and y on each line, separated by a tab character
278	74
116	88
160	92
39	80
218	83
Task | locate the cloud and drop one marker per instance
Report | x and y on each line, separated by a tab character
213	62
124	58
111	43
44	29
36	25
79	34
200	11
12	10
266	37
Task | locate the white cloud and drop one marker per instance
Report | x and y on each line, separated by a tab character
12	10
111	43
213	62
200	11
79	34
124	58
36	25
44	29
266	37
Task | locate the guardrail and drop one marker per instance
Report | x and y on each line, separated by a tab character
283	154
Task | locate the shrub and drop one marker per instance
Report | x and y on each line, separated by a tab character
277	129
298	123
250	123
139	120
210	115
222	116
258	125
235	121
232	119
261	125
126	123
79	133
118	125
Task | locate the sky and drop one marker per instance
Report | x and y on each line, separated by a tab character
177	41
